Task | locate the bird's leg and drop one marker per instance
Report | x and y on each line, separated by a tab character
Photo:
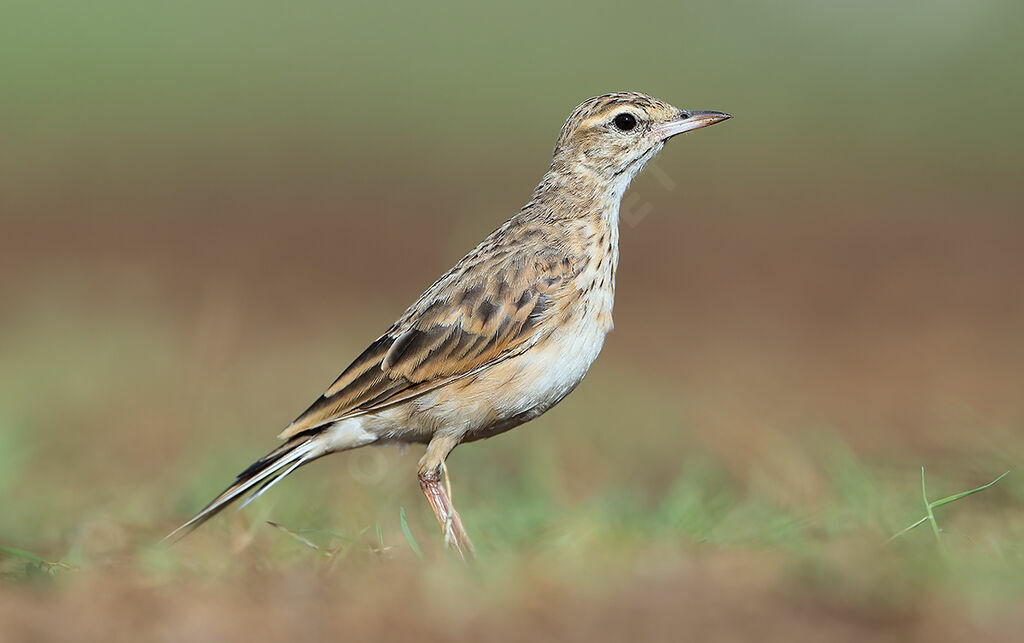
454	531
430	474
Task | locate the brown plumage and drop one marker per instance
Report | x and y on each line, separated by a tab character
488	308
508	332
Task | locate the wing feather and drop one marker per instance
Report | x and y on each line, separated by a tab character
473	317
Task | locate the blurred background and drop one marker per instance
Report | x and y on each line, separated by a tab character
815	299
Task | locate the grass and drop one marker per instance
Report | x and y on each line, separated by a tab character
413	545
35	564
930	506
514	521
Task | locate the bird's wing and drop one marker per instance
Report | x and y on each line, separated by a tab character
480	313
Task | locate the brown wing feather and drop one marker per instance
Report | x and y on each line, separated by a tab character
476	315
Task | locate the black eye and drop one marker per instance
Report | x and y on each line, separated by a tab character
625	121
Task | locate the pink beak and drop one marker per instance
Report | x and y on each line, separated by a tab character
688	121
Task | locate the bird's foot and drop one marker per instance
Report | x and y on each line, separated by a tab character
448	518
449	534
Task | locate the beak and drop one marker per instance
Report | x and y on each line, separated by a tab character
688	121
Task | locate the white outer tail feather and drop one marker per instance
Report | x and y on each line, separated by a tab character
302	453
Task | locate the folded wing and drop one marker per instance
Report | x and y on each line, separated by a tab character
477	315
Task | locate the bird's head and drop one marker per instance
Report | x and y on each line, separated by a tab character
614	136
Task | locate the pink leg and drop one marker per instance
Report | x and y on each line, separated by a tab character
431	466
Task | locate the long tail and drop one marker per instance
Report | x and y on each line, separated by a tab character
261	475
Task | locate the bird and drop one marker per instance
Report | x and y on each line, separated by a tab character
503	336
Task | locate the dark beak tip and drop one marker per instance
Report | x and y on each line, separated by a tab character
722	116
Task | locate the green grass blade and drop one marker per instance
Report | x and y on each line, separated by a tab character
964	494
928	506
48	565
408	534
27	555
906	529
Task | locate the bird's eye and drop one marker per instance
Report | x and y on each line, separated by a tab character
625	121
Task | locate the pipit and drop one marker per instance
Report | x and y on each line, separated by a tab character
504	335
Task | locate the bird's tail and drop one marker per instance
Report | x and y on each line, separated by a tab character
261	475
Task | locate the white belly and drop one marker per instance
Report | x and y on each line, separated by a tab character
550	372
